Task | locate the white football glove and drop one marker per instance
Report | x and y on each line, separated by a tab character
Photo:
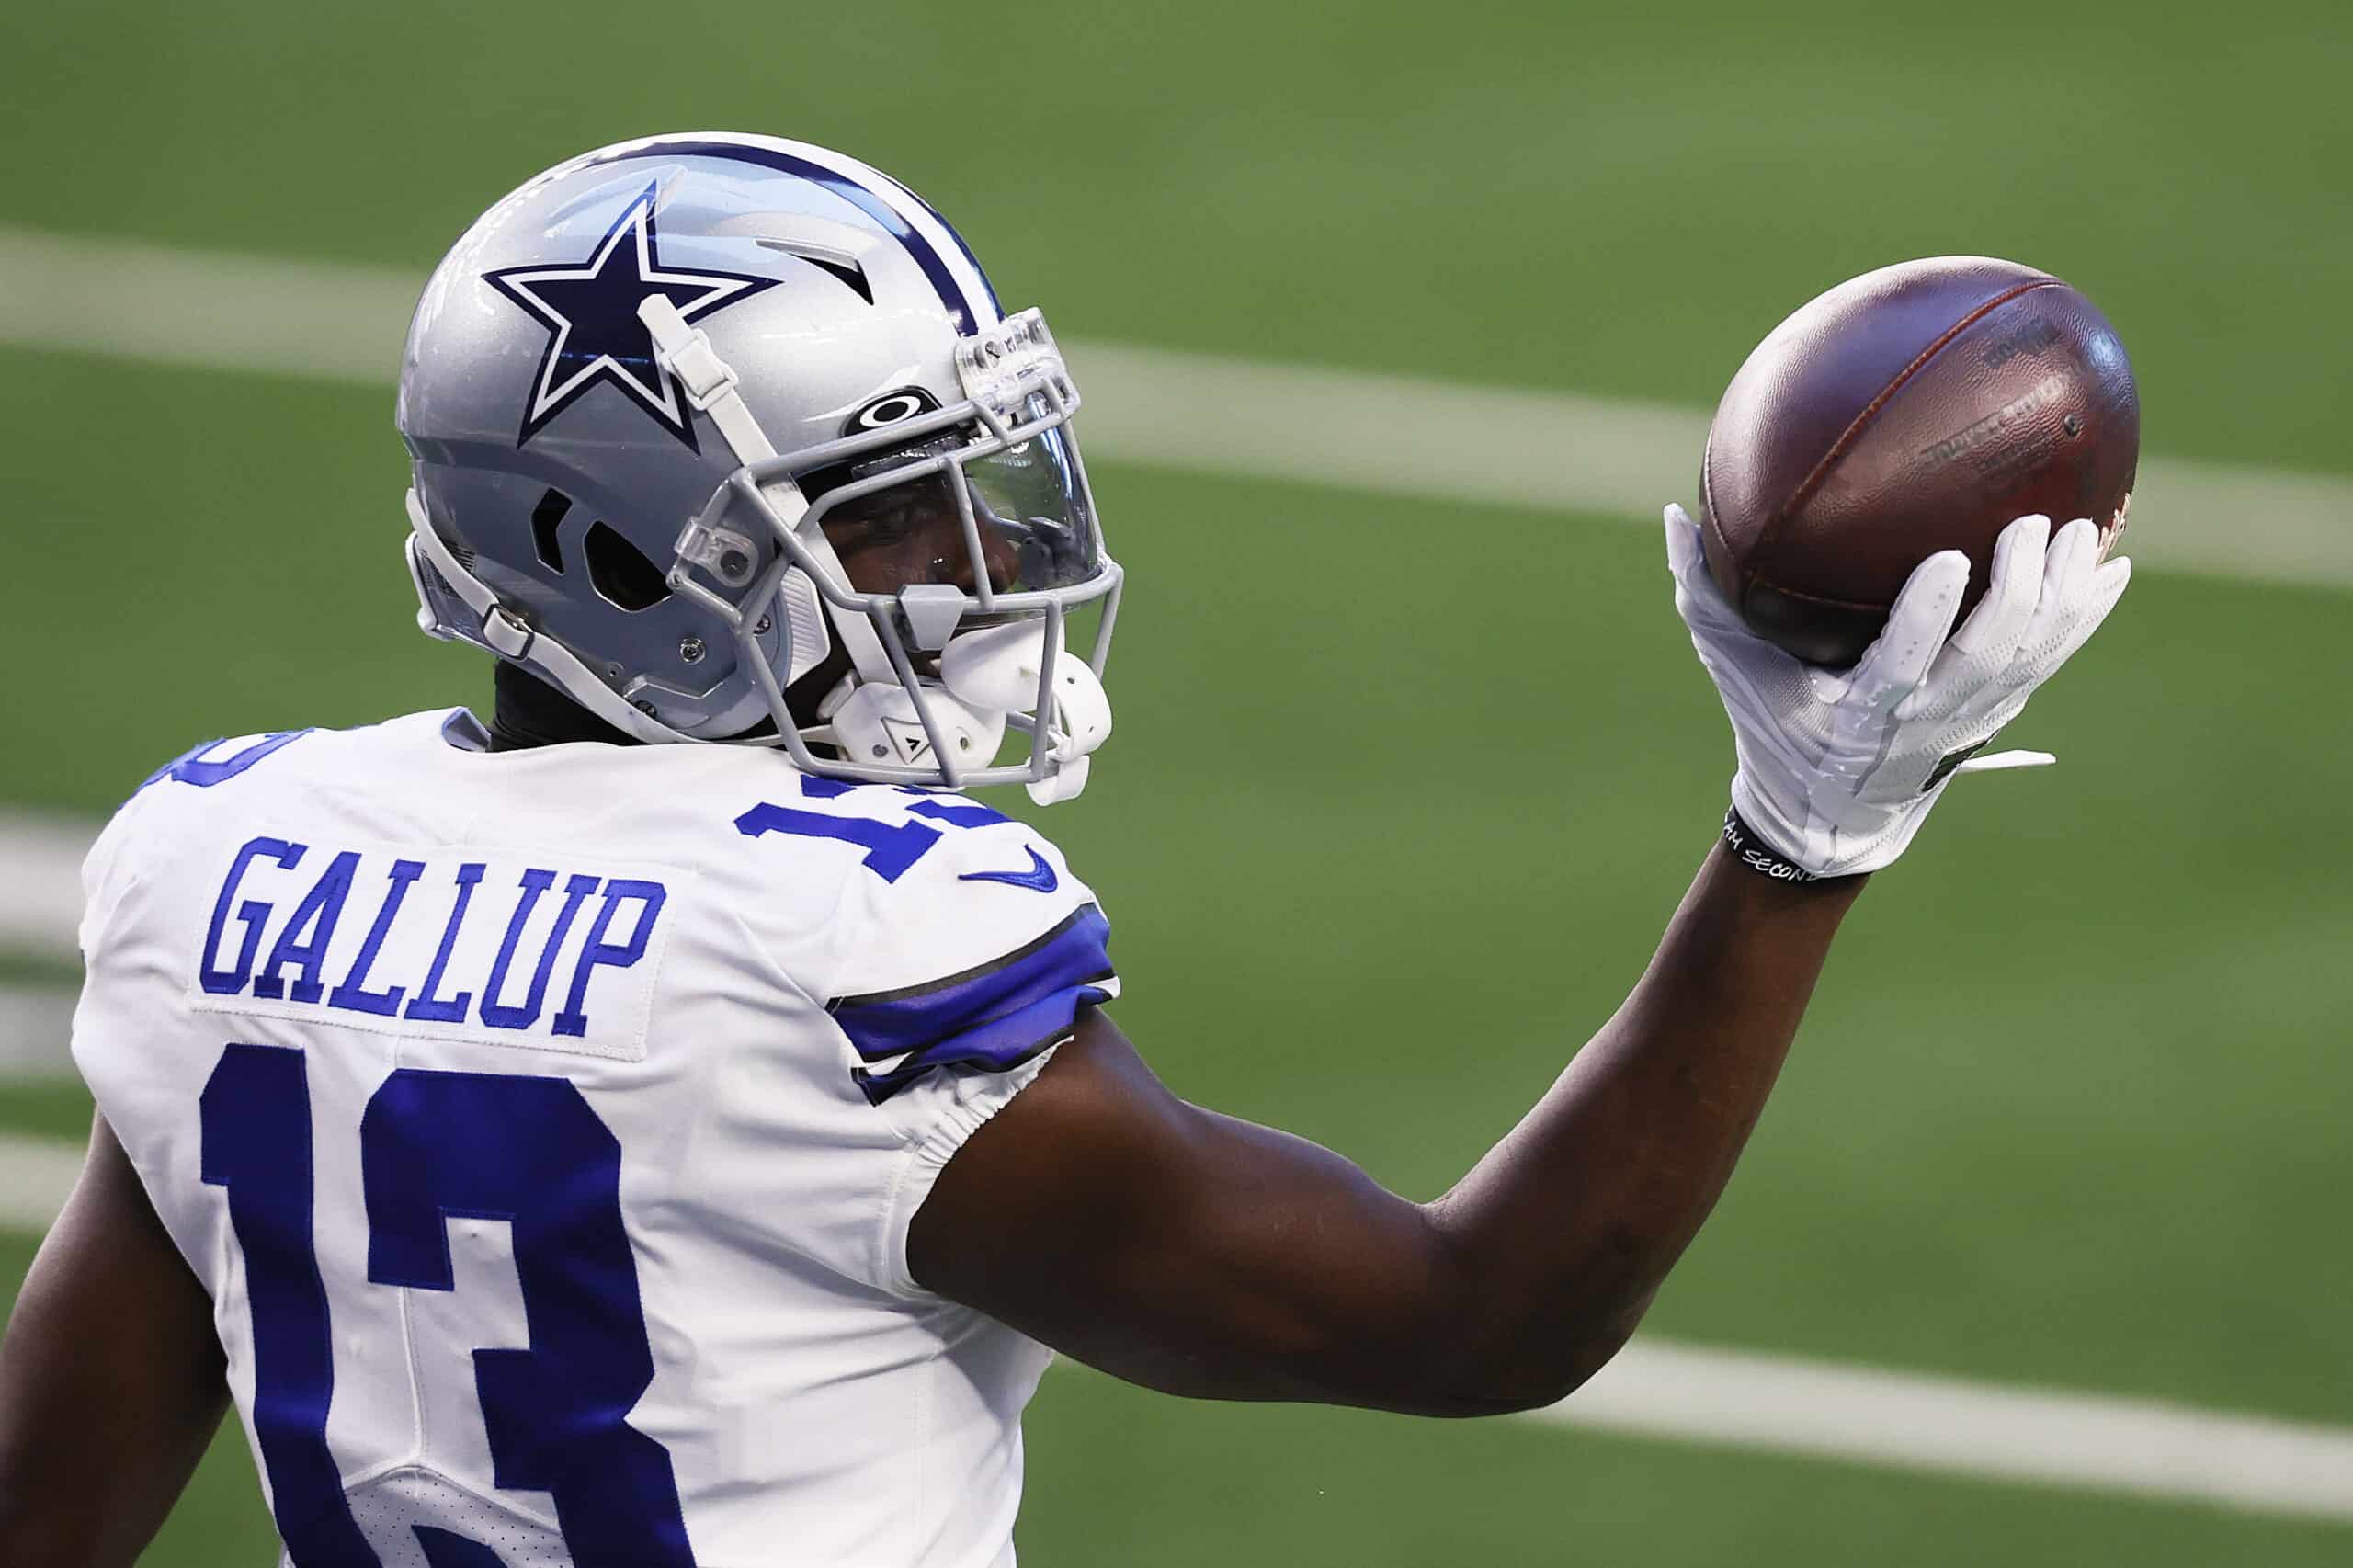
1838	770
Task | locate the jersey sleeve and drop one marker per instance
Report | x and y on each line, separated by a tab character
993	1016
965	974
100	891
108	868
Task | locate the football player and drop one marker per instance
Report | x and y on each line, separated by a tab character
670	1123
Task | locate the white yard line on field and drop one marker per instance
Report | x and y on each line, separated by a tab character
1391	435
36	1023
35	1176
1869	1416
40	883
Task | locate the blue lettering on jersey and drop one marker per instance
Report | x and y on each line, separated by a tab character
962	813
453	1009
891	849
314	921
448	1549
426	954
352	994
530	1151
535	882
649	897
253	911
254	1116
192	767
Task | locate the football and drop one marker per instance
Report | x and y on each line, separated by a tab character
1914	409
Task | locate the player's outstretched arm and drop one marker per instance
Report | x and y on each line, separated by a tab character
1197	1253
1194	1253
111	1380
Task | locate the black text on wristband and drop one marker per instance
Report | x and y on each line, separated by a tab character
1759	857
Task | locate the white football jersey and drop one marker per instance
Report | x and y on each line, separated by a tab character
546	1126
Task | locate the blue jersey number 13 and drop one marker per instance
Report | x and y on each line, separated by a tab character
526	1150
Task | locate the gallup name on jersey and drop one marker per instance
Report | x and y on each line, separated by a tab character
508	947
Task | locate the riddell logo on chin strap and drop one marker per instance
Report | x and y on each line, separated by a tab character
909	737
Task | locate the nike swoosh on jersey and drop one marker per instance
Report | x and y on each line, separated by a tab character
1040	878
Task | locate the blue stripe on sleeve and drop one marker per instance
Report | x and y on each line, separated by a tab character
996	1016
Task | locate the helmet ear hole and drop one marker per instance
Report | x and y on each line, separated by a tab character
546	518
620	572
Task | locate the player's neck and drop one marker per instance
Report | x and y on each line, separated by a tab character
525	711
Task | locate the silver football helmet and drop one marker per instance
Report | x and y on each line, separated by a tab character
698	419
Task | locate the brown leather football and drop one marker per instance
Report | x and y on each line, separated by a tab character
1913	409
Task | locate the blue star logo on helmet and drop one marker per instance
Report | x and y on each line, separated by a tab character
594	332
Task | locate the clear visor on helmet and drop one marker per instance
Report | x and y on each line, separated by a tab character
894	518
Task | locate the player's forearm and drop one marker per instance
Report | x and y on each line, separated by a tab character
1564	1230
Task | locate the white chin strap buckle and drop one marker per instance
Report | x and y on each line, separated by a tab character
996	668
881	724
1063	784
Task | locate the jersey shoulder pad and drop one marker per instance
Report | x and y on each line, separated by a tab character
970	944
152	820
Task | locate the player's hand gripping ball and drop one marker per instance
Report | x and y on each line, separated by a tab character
1838	769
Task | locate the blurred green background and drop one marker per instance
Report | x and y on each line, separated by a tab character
2071	1105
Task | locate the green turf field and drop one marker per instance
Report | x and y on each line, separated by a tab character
2072	1105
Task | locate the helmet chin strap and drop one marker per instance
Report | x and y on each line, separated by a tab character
437	573
686	352
880	722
